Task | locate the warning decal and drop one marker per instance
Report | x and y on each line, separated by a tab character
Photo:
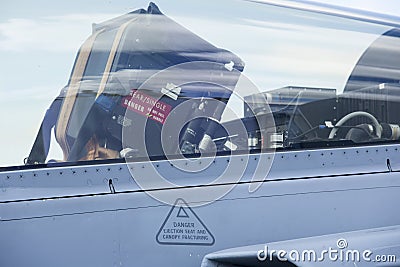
146	105
183	227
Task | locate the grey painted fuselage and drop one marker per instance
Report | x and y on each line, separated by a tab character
71	216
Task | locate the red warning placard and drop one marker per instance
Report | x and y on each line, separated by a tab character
146	105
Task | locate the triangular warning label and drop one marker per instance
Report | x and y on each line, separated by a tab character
183	227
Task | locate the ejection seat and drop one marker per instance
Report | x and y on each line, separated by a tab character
123	73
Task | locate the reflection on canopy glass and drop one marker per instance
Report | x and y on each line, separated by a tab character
258	77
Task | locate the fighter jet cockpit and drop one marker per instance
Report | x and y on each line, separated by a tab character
153	84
